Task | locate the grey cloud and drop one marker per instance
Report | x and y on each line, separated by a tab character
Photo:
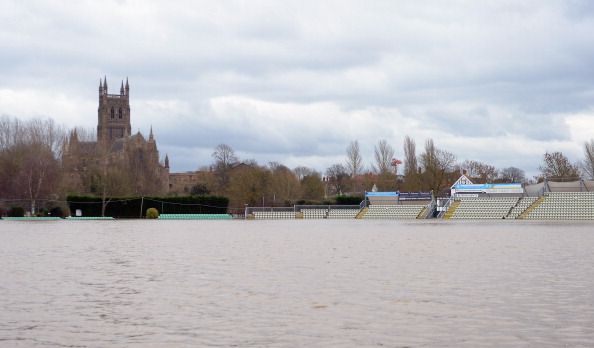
503	70
482	122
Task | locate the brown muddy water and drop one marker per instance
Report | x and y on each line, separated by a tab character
296	284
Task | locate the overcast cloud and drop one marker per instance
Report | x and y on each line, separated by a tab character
295	82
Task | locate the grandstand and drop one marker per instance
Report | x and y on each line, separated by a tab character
273	215
483	201
483	208
523	204
401	211
377	205
327	211
343	213
303	212
546	200
396	205
563	206
314	213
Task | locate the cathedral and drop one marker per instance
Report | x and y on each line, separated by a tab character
117	162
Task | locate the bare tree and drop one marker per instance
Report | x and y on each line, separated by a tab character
39	171
29	152
225	159
7	132
284	185
8	162
383	154
410	157
411	166
301	172
224	155
556	166
588	162
312	187
336	176
85	134
107	175
354	162
436	164
248	185
512	175
141	164
480	170
48	133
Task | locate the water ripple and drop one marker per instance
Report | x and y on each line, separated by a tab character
296	283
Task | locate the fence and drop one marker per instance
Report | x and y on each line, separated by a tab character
136	207
302	211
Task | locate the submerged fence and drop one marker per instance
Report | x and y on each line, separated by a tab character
136	207
126	207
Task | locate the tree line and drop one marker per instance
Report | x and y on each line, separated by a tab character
432	169
32	169
30	153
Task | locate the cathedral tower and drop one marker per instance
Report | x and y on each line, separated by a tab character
113	114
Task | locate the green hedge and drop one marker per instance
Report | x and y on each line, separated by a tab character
131	207
16	212
348	200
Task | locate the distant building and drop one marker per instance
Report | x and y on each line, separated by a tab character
464	187
115	149
182	184
200	181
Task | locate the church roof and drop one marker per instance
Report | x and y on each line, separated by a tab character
137	137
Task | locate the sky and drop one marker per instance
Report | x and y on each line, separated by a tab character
295	82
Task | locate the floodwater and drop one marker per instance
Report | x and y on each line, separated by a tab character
324	283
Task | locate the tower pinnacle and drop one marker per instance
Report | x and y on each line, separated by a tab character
113	114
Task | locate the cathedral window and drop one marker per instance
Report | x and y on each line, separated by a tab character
120	113
112	113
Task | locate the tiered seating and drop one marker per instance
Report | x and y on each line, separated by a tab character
314	213
522	205
274	215
391	211
484	207
343	213
565	206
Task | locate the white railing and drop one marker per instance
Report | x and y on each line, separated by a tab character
445	207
